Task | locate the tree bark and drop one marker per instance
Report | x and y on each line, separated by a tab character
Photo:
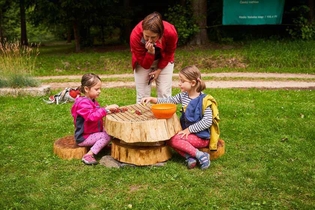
311	5
199	8
127	26
69	34
24	40
1	29
76	33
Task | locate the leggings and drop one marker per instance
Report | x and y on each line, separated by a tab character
187	146
97	140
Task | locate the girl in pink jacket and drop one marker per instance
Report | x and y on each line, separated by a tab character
88	118
153	43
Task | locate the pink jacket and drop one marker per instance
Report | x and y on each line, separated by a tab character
87	118
167	45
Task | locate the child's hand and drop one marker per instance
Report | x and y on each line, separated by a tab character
184	133
145	100
113	106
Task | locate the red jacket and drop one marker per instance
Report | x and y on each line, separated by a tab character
167	45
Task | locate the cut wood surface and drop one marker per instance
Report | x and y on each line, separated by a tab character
139	155
66	148
132	127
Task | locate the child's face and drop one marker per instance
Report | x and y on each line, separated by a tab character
184	84
94	91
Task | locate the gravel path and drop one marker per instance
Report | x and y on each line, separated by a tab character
233	80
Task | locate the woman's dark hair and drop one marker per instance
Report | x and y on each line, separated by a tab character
154	23
89	80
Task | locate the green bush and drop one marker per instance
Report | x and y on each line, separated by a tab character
302	29
184	23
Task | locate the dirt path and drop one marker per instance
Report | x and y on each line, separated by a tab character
233	80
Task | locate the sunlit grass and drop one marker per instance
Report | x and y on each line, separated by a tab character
17	65
269	139
255	56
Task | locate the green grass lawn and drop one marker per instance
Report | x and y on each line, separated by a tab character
255	56
269	161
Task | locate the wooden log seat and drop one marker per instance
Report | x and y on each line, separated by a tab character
140	155
218	153
66	148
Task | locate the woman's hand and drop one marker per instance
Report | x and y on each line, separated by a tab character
155	74
150	47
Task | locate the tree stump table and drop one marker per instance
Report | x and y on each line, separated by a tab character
139	137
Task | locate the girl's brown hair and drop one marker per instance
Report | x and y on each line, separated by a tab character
89	80
154	23
193	73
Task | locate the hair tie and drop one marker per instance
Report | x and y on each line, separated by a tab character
198	79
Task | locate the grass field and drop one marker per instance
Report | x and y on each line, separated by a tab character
269	134
269	161
255	56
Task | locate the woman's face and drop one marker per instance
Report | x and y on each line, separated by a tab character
149	36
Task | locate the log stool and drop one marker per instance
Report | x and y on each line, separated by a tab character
140	154
66	148
218	153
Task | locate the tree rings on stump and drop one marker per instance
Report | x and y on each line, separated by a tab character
66	148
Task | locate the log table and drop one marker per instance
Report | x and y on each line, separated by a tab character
138	137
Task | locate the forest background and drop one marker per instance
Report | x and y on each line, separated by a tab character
105	22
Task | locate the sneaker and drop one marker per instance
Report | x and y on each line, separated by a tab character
191	162
89	159
204	161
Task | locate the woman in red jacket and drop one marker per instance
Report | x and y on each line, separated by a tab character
153	43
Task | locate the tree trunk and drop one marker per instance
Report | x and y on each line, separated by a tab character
76	33
199	8
126	28
24	40
69	34
1	29
311	5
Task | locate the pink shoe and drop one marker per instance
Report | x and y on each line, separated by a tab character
89	159
191	163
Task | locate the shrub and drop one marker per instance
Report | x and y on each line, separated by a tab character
302	29
184	23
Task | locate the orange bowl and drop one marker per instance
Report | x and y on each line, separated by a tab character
163	111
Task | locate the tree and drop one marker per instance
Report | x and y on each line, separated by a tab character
24	40
311	5
199	8
3	8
